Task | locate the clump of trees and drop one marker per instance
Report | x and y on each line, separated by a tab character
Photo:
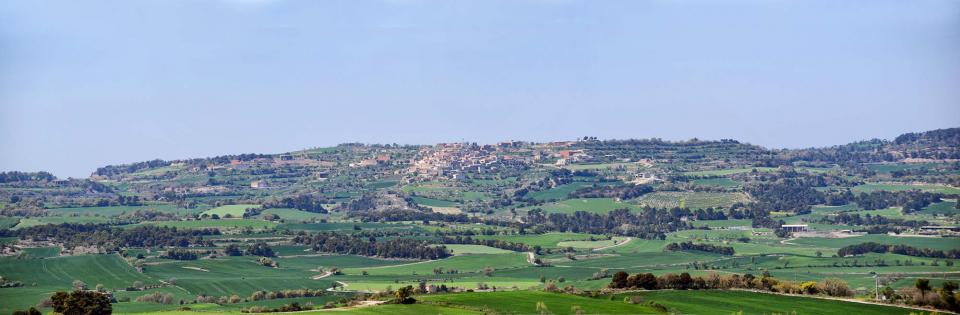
872	247
81	302
911	201
651	223
785	194
112	238
710	248
330	242
924	294
260	249
684	281
156	297
292	307
305	202
179	254
16	176
609	191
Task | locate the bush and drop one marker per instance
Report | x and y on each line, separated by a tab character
81	302
834	287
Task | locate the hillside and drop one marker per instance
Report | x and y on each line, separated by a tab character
684	226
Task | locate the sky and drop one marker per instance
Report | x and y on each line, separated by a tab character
85	84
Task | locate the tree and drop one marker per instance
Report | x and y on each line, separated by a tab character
403	295
619	280
948	297
260	249
923	284
79	285
81	303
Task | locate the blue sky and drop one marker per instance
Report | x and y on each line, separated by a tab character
89	83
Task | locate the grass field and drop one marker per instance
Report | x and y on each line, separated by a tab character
234	275
346	226
465	264
717	182
558	193
8	222
731	302
461	249
601	166
28	222
525	302
434	202
592	244
924	242
291	214
543	240
534	302
222	223
234	210
944	208
595	205
119	210
692	200
393	309
891	167
41	277
731	171
870	187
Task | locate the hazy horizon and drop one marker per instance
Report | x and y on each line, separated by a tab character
83	85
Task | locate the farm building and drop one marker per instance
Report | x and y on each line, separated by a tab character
794	227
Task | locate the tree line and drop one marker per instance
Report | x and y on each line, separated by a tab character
330	242
872	247
651	223
684	281
112	238
710	248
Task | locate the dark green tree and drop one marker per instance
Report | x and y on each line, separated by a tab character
81	303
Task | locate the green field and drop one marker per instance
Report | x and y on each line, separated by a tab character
393	309
717	182
525	302
542	240
460	249
346	226
222	223
235	211
559	192
41	277
434	202
731	302
28	222
731	171
871	187
692	200
593	244
119	210
8	222
601	166
466	263
595	205
923	242
891	167
291	214
941	208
